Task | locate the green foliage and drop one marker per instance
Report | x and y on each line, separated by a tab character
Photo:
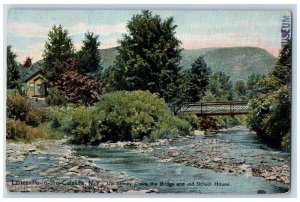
83	124
148	57
240	89
58	53
18	130
220	88
89	57
252	82
193	82
50	133
192	119
17	106
271	106
137	115
56	97
13	72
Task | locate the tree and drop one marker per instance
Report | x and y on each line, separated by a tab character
13	72
198	78
89	57
220	88
58	53
79	89
148	57
270	116
252	81
240	89
27	63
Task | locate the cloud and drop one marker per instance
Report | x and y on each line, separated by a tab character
27	29
104	29
191	41
36	30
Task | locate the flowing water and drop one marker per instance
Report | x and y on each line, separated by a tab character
169	177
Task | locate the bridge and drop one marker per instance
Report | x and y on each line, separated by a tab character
213	108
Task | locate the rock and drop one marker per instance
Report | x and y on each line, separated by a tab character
198	132
30	168
70	173
41	158
261	192
141	191
217	159
272	177
74	169
86	171
32	149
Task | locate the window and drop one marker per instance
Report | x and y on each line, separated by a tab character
31	86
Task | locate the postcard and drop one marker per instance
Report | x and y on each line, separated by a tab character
148	101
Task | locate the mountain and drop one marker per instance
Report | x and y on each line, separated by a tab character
238	62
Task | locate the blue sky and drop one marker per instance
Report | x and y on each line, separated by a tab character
27	29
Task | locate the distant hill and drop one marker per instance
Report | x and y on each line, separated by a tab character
238	62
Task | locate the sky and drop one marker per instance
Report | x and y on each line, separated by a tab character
27	29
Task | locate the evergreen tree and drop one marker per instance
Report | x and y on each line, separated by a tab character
220	87
13	72
89	57
148	57
240	89
58	53
198	78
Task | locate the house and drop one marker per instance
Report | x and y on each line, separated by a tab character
37	85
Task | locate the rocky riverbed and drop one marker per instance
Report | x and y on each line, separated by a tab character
217	152
51	166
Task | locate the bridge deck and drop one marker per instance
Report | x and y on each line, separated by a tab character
214	108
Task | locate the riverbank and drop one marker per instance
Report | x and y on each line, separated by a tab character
215	151
51	166
232	152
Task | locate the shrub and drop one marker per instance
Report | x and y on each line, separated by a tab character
137	115
82	123
192	119
207	122
17	130
56	97
85	126
17	106
34	117
49	133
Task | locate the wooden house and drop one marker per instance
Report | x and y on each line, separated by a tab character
36	85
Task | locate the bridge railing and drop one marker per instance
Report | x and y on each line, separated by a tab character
213	108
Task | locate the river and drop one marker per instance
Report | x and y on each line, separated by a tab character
170	177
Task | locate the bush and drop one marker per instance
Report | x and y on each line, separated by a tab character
82	123
34	117
56	97
207	122
192	119
49	133
137	115
17	130
85	126
17	106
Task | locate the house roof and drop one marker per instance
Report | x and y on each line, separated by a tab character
33	75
